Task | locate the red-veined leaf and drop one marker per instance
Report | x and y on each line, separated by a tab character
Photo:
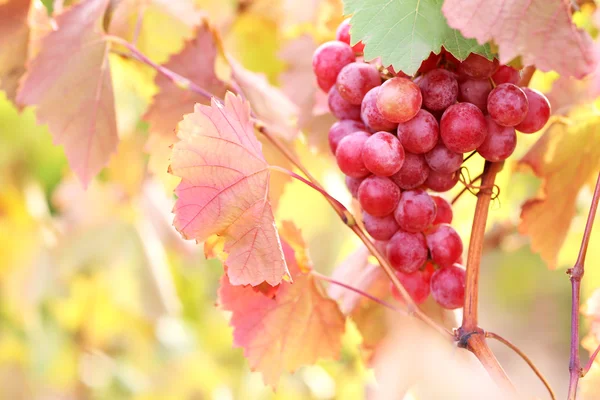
13	45
223	190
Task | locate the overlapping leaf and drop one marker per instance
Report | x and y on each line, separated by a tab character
546	218
541	31
69	81
404	33
298	326
13	46
224	190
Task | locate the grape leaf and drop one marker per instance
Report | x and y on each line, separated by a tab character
13	47
197	63
540	31
404	33
223	190
295	327
69	81
546	218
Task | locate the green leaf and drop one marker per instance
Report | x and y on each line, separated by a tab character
404	32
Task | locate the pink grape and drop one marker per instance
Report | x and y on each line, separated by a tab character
506	74
419	134
414	172
353	184
475	91
448	286
340	108
463	127
445	245
478	67
341	129
370	114
416	211
439	88
349	155
383	154
416	284
538	114
380	228
355	80
499	143
378	196
343	35
406	251
399	99
328	60
507	104
440	182
444	160
443	213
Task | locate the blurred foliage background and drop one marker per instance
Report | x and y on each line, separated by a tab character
101	299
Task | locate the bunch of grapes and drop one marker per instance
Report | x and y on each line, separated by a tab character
398	137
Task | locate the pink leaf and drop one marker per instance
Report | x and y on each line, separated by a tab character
223	190
13	45
541	31
70	83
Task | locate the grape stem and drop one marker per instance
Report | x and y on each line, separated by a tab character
575	274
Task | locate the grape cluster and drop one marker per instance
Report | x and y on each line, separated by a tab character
399	136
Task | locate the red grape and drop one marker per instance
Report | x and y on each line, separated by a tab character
463	127
445	246
343	35
380	228
443	214
506	74
499	143
478	67
383	154
475	91
416	211
413	173
444	160
448	286
439	88
538	114
328	60
340	108
378	196
353	184
355	80
341	129
440	182
371	115
349	155
399	99
507	104
416	284
419	134
406	251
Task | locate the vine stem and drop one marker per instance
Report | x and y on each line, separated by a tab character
576	273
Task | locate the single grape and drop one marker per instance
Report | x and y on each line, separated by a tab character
378	196
444	160
416	211
475	91
416	284
328	60
413	173
419	134
440	182
355	80
507	104
383	154
443	213
380	228
506	74
340	108
353	184
463	127
429	64
478	67
399	99
341	129
370	114
445	245
448	286
343	35
538	114
349	155
499	143
406	251
439	88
